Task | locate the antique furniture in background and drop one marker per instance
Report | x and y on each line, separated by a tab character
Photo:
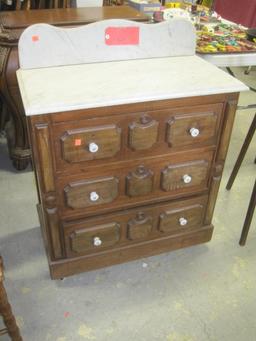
129	152
12	24
41	4
252	203
6	311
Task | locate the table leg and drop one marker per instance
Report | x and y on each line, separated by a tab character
248	218
242	153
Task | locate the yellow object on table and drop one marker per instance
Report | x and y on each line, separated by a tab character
207	3
173	5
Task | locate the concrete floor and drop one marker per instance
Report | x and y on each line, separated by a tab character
205	292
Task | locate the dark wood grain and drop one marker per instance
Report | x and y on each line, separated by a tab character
148	197
71	16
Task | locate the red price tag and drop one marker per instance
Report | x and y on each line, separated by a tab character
78	142
35	38
122	35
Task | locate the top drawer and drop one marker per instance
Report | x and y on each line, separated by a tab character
91	143
135	135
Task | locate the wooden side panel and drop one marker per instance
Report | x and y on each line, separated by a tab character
53	225
228	121
229	118
44	164
44	150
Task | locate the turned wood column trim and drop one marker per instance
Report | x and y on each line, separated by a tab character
43	143
48	194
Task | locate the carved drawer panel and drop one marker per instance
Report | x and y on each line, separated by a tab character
181	219
193	128
91	192
91	143
192	173
139	181
143	134
95	237
137	225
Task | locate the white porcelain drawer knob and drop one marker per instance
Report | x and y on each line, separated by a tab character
187	178
97	241
94	196
194	132
93	147
183	221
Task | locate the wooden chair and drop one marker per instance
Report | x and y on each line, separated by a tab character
252	203
6	311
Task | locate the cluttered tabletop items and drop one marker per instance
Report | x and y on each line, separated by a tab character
215	35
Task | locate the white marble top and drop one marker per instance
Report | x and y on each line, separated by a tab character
57	89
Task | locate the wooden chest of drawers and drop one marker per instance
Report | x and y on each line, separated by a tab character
122	182
128	155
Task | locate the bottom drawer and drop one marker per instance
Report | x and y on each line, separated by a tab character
133	226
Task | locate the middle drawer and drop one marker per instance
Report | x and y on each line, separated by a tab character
125	184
